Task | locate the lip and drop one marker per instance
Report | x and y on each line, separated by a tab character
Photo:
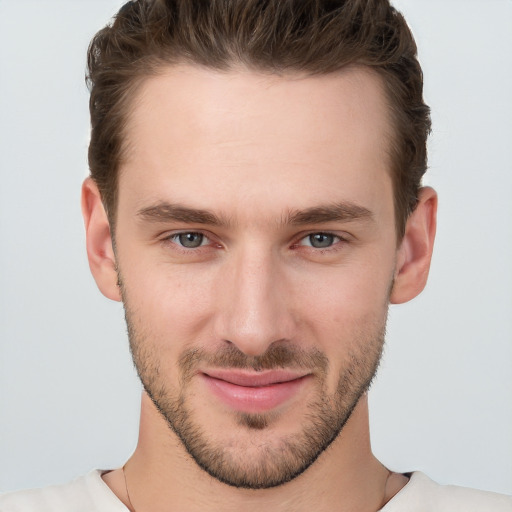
254	392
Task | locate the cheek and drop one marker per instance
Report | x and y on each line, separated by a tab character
349	291
171	304
345	308
348	326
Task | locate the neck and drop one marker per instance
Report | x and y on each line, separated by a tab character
162	477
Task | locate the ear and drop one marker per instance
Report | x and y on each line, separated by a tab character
100	251
415	252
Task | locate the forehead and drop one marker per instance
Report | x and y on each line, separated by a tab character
194	132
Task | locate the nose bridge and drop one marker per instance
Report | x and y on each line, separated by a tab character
254	308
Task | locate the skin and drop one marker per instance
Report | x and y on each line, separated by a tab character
254	149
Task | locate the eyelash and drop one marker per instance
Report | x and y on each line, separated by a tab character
172	239
336	240
337	244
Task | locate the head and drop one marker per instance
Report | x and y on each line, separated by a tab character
250	159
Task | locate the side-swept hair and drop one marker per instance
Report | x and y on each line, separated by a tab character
306	36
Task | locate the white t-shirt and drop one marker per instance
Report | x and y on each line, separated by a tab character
90	493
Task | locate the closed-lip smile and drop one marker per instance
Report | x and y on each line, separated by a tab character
251	391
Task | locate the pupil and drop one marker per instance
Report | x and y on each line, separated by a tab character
321	240
191	240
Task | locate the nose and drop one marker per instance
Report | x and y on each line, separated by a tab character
254	307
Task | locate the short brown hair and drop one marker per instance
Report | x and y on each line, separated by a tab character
307	36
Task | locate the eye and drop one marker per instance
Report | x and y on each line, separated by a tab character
189	240
320	240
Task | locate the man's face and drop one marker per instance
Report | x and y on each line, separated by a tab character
256	248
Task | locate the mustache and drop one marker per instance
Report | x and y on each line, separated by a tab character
278	355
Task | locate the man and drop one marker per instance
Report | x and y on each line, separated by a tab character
255	201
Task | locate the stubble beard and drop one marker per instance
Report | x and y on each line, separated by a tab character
277	461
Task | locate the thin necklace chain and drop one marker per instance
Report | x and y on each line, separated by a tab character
132	508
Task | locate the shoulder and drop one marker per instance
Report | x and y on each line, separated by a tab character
87	493
423	494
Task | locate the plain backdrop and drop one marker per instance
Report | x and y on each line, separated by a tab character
69	397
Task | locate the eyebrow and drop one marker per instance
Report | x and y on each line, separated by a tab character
167	212
338	212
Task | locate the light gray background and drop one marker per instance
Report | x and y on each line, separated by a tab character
68	395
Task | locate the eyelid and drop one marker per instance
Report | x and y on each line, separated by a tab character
169	238
345	237
340	238
340	241
336	238
203	240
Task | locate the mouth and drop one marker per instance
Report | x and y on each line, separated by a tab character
254	392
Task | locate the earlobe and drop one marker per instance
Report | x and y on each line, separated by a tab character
415	252
100	251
